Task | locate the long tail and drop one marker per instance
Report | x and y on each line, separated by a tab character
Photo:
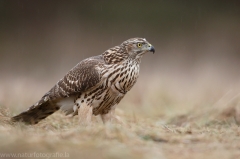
36	113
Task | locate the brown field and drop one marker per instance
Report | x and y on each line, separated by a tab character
159	122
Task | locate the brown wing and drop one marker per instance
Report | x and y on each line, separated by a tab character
79	79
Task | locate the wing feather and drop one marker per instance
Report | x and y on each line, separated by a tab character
82	77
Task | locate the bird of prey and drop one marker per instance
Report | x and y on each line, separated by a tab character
94	86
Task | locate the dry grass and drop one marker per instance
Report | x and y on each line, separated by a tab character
160	123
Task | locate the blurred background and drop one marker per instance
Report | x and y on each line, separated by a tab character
197	47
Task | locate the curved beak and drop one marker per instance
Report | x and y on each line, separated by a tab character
151	48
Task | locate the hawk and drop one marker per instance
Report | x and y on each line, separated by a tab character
94	86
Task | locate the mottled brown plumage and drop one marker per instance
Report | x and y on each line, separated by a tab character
98	83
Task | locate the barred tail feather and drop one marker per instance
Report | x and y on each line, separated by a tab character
36	113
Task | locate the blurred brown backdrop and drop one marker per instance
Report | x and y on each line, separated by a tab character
197	42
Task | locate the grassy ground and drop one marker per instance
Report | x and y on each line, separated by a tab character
159	122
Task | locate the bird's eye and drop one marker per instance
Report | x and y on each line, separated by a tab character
139	44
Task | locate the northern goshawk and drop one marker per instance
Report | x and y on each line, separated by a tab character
97	83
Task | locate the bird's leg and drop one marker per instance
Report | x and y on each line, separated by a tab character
110	116
85	114
106	117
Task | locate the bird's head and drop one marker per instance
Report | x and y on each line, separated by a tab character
137	46
133	48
